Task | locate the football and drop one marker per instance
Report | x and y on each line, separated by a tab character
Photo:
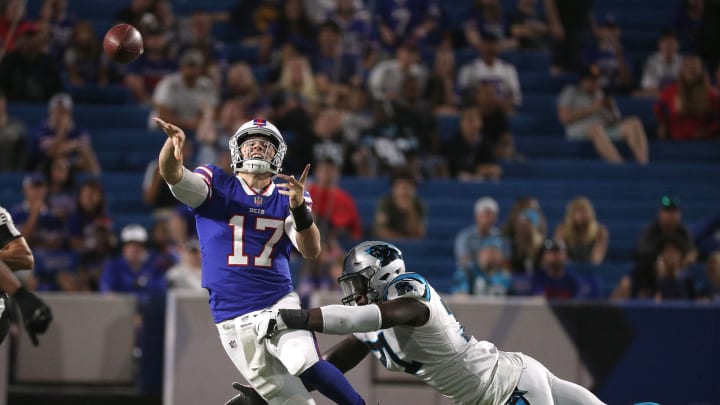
123	43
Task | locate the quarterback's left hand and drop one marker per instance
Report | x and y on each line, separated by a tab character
295	187
270	323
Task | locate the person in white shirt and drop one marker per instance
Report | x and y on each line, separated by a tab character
489	68
662	67
387	76
186	274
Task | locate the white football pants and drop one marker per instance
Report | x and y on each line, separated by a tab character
543	388
271	366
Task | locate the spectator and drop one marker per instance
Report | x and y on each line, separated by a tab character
689	108
296	78
54	265
585	238
488	67
100	245
61	186
84	60
471	155
92	212
161	242
386	78
357	117
215	58
41	229
134	12
354	23
167	22
13	134
417	19
608	55
662	67
441	84
486	16
242	86
13	14
28	73
527	27
136	270
59	23
712	270
91	236
333	208
489	276
60	137
520	205
673	281
389	145
401	214
667	226
495	122
156	62
570	25
472	238
182	97
334	69
589	114
527	242
186	274
553	280
293	27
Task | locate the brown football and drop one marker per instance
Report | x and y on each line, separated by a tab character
123	43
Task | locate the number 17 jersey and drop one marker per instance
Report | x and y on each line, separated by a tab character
246	237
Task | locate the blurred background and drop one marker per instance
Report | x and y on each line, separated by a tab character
514	150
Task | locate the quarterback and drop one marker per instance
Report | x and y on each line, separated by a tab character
247	226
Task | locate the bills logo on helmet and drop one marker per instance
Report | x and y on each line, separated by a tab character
385	253
259	122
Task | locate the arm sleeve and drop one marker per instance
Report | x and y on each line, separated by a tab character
343	319
193	189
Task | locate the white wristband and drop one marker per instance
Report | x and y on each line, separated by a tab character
343	319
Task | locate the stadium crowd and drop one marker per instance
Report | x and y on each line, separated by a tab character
356	88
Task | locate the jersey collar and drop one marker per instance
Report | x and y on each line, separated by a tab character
266	192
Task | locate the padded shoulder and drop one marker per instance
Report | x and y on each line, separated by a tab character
408	285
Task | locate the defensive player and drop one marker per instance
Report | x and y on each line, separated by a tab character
404	322
247	226
15	254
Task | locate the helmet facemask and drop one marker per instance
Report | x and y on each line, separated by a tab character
247	159
356	285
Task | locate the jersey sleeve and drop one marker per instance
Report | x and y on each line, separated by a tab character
408	285
213	176
8	231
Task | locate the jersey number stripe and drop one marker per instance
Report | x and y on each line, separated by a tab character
237	258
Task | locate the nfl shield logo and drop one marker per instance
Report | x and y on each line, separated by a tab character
258	200
232	344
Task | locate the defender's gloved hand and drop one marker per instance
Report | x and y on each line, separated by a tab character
35	313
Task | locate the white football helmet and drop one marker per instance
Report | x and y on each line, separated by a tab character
269	163
367	270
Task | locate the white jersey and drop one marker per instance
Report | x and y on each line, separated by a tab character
8	232
462	368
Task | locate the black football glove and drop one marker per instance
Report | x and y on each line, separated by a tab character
35	313
247	396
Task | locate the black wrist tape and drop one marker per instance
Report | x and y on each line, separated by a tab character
294	318
303	219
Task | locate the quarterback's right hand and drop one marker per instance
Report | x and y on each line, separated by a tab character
173	132
35	313
270	323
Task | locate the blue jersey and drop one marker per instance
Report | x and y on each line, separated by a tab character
245	240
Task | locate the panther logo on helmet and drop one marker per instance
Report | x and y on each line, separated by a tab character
272	150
